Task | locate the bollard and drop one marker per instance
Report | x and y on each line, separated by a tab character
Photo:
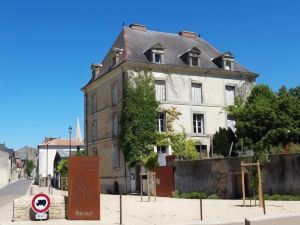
201	216
264	206
120	208
247	222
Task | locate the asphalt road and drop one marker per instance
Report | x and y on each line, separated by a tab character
14	190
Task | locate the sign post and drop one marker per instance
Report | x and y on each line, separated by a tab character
40	204
84	188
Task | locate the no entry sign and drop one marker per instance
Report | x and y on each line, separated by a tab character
40	203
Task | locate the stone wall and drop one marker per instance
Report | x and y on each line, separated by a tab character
282	174
223	176
22	208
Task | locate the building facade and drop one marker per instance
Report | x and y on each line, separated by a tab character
47	152
190	75
6	165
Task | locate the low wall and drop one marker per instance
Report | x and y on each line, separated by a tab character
282	174
22	208
223	176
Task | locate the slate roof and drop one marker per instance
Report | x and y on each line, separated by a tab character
62	142
138	41
10	151
26	152
135	43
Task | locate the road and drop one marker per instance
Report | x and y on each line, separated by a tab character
14	190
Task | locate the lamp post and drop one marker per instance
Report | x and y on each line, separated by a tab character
47	143
70	132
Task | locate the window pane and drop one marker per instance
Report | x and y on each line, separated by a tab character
160	88
198	123
230	94
196	93
160	122
157	58
194	61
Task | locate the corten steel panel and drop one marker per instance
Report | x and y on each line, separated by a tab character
84	188
164	181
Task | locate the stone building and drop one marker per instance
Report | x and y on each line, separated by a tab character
6	165
190	74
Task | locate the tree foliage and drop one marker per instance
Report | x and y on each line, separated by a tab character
268	118
138	122
29	167
222	141
182	147
62	167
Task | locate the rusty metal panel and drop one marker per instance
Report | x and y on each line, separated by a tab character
84	188
164	181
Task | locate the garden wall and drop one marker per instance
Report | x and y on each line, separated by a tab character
223	176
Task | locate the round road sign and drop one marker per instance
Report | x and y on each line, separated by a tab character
40	203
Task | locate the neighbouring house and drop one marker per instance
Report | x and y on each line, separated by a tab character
47	151
24	154
190	74
6	165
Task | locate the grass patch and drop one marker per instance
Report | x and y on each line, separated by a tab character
195	195
277	197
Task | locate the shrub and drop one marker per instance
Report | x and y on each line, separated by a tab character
213	196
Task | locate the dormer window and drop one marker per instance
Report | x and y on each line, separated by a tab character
191	57
115	58
194	61
225	61
156	53
158	57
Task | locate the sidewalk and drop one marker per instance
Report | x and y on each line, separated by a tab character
167	211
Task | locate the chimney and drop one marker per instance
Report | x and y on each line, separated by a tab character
138	27
187	34
95	69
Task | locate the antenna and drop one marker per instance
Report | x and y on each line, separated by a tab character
123	24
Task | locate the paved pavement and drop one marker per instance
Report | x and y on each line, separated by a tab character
14	190
8	193
170	211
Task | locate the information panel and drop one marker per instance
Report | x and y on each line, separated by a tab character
84	188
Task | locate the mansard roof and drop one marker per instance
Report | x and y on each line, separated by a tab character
136	42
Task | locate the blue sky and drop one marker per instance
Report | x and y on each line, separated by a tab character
46	48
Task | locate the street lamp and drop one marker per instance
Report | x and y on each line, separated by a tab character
70	132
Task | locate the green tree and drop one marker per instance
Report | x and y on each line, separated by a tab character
29	167
268	118
138	121
182	147
62	167
222	141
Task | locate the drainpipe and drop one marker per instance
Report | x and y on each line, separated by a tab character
123	92
85	122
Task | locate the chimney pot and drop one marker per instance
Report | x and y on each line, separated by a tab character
95	69
187	34
138	27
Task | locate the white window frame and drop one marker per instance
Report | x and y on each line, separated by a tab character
161	56
196	121
229	99
160	90
231	122
194	98
161	122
